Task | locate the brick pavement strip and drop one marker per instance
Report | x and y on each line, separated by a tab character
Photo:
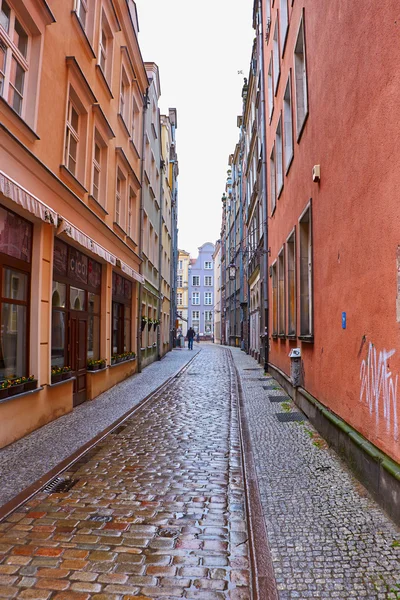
158	510
327	537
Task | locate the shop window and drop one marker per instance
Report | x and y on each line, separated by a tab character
93	349
58	340
121	315
301	80
281	292
77	298
291	284
306	275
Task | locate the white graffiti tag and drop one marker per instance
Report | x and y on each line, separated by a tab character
378	385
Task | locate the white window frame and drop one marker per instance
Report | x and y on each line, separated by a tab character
284	23
179	281
195	315
196	278
196	298
208	315
288	123
270	88
124	93
272	177
72	135
207	262
306	273
279	158
179	298
82	7
276	57
206	279
207	298
300	69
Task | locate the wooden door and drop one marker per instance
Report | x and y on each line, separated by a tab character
78	355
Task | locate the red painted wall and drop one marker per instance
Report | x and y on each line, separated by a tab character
353	132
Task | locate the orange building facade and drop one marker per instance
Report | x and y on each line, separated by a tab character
333	223
72	89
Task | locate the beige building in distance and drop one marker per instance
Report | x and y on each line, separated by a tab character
182	294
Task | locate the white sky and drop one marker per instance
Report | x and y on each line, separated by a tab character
199	49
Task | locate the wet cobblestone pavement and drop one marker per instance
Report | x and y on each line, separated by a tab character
156	511
327	537
28	459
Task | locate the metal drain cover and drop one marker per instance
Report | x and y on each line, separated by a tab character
278	398
100	518
59	485
252	369
286	417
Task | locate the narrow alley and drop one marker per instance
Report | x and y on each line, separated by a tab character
168	505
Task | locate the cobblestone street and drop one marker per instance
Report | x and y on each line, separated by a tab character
158	509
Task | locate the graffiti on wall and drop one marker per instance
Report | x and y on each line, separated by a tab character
379	388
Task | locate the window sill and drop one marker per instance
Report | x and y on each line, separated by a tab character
124	125
300	132
53	385
274	336
123	362
97	205
95	371
18	121
119	229
281	336
292	337
136	151
289	164
279	192
131	240
83	33
72	179
23	395
307	338
104	80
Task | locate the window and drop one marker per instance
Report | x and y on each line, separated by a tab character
208	315
124	96
196	280
82	11
306	283
291	283
279	158
274	300
207	298
14	63
72	138
301	80
275	56
270	89
135	129
281	292
99	169
207	280
284	18
120	192
179	281
121	314
180	265
179	297
132	204
105	48
196	314
208	265
272	176
195	298
288	121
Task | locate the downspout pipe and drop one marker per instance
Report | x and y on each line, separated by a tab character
160	247
264	190
141	220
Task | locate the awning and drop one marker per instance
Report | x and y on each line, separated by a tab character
84	240
15	192
131	272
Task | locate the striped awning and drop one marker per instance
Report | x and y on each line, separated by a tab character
15	192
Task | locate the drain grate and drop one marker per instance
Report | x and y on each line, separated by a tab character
60	485
269	388
100	518
286	417
278	398
252	369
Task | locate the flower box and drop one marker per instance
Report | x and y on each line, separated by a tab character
13	390
93	367
66	375
30	385
4	393
56	377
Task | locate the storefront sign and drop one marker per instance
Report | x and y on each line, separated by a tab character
77	266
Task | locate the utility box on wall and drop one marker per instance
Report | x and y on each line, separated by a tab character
295	366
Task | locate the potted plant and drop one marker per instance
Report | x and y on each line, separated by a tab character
119	358
66	373
30	383
150	323
113	359
4	387
102	363
156	323
17	386
143	322
56	374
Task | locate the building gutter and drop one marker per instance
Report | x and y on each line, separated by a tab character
140	291
264	191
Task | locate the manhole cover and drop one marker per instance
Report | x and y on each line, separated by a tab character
286	417
100	518
59	485
252	369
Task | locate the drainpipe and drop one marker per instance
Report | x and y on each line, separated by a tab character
139	311
241	272
160	247
264	192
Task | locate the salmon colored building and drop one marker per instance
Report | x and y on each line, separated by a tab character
72	84
332	81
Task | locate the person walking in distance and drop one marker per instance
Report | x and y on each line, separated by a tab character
190	336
